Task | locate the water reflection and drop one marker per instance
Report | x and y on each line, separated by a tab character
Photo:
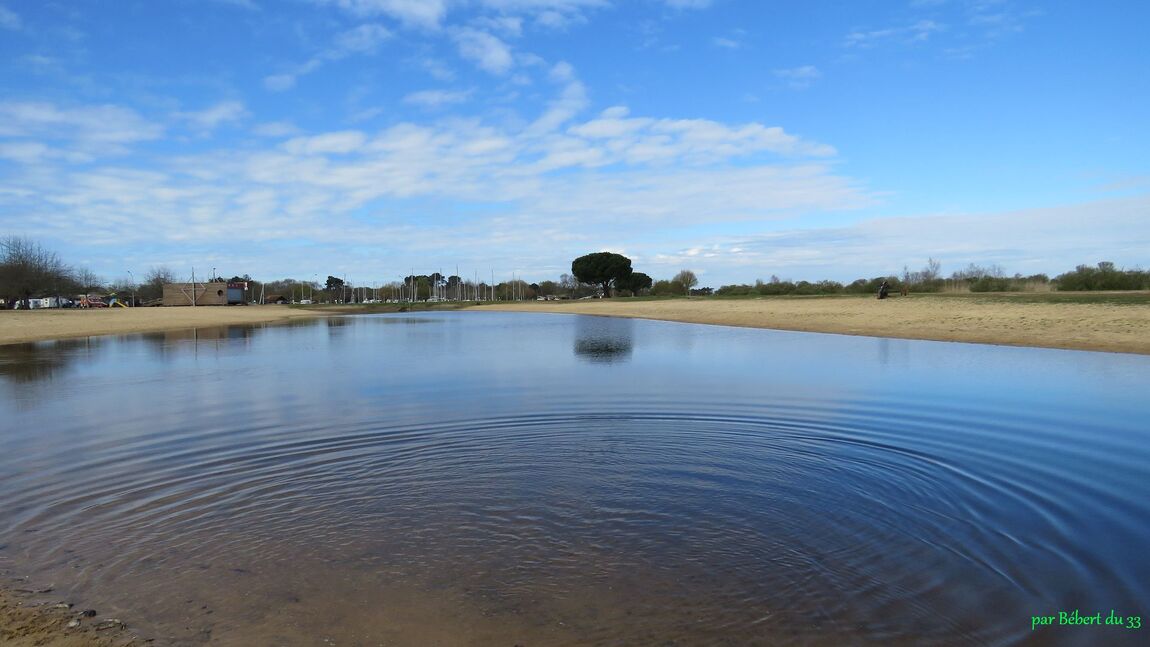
36	361
499	478
604	340
45	360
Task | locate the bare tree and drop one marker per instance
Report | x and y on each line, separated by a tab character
87	281
687	279
931	271
26	268
153	286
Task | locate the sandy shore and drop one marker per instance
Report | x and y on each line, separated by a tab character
18	326
1080	326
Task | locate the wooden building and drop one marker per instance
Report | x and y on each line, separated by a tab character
204	294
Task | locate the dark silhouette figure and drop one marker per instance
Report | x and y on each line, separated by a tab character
884	290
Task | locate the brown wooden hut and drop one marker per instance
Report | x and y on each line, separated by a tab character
203	294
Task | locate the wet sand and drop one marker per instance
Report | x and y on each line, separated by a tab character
17	326
1079	326
28	619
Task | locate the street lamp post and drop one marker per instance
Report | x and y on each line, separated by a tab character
133	279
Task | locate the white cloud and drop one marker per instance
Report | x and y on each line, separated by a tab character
486	51
802	73
209	119
799	77
279	82
552	20
90	129
366	114
10	19
509	16
577	182
688	4
364	39
438	70
250	5
422	13
24	152
918	32
276	129
1048	240
571	101
343	142
552	15
436	98
39	60
507	6
727	43
690	141
511	26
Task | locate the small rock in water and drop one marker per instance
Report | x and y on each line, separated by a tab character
110	623
88	613
73	624
63	605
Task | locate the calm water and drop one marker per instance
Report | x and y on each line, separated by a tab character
491	478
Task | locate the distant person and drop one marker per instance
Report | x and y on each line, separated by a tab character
884	290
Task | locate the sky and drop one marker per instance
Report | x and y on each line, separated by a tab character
740	139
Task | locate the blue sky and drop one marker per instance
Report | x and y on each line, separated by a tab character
736	138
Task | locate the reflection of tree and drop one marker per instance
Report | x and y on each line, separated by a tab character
604	340
336	326
161	341
170	344
25	363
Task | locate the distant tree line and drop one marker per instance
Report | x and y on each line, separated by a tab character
28	270
972	278
1103	277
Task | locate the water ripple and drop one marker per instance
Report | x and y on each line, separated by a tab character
881	516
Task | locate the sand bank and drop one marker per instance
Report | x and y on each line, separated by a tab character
1123	328
18	326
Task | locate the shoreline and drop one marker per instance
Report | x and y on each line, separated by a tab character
1089	322
25	326
1005	320
28	619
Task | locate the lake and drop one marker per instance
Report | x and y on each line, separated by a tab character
504	478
